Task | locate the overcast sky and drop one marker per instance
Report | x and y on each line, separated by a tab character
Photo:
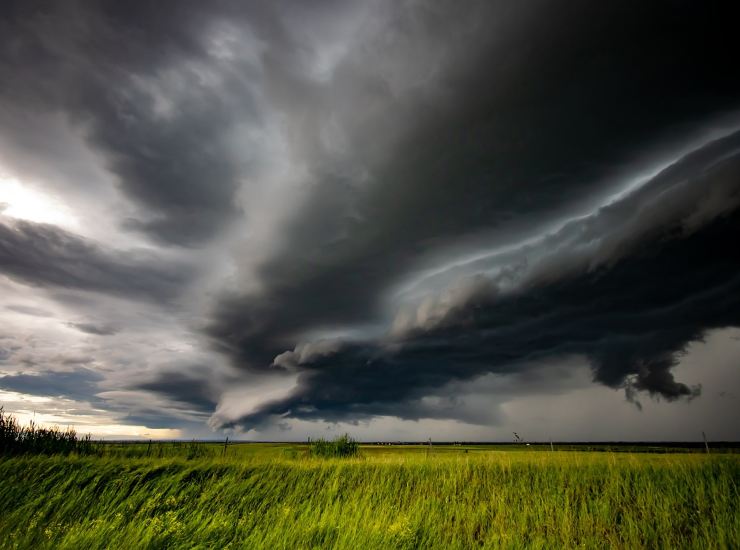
400	220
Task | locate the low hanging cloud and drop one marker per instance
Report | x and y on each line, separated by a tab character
588	195
630	291
183	388
500	131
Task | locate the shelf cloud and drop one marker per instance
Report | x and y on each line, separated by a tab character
276	216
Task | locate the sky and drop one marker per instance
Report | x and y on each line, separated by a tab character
401	220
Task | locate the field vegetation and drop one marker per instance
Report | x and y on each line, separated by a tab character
16	439
165	495
341	447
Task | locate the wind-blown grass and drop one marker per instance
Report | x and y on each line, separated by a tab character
16	439
341	447
404	500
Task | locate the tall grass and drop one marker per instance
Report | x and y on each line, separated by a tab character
403	500
205	495
342	446
32	439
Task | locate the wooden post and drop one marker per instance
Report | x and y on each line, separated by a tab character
226	442
706	445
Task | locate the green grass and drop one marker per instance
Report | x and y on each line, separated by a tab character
273	496
16	439
340	447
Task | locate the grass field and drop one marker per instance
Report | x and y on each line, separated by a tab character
272	496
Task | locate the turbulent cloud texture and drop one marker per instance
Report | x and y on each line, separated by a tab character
43	255
279	213
631	313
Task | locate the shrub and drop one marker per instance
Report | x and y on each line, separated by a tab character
32	439
342	446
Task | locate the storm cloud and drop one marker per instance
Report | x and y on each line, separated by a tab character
282	213
78	384
631	315
524	118
183	388
46	256
143	84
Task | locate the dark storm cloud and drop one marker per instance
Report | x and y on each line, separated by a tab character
631	314
151	96
331	164
92	328
192	387
514	114
46	256
81	384
182	388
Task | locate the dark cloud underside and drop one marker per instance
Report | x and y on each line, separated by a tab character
630	316
534	111
182	388
383	201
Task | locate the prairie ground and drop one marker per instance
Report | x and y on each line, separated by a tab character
274	496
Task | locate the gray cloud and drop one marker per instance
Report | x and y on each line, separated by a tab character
151	95
92	328
182	388
384	202
46	256
29	310
505	130
631	316
80	384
